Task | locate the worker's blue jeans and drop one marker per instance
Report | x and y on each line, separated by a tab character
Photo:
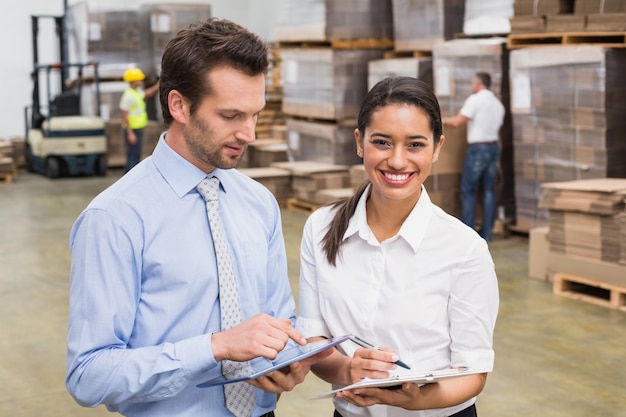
133	152
480	168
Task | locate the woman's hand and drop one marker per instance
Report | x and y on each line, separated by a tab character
404	396
372	363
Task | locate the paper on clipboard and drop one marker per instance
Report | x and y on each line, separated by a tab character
419	378
291	354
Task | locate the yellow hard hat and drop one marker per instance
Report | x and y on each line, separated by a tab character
133	74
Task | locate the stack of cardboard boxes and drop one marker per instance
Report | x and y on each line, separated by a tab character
325	49
568	104
8	167
583	249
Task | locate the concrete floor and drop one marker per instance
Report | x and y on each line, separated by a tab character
554	356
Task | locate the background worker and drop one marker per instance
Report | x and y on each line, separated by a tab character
484	114
134	115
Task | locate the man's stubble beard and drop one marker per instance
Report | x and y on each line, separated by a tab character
200	141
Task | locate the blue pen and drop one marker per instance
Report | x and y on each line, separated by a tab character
368	345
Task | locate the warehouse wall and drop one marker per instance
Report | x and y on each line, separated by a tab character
16	44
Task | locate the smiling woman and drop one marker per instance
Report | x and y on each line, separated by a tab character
389	265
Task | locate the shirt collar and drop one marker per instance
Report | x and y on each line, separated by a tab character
181	174
413	229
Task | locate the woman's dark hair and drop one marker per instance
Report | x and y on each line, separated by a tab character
393	90
196	50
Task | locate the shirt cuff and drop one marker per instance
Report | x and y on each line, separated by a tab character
312	327
196	354
479	360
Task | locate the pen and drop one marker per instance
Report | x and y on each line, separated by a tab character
368	345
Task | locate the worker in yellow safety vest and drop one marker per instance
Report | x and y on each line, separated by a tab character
134	115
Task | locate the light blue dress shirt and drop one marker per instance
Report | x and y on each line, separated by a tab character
144	287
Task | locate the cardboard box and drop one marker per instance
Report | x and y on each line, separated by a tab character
538	248
321	20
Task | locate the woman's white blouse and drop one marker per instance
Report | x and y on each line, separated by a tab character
430	292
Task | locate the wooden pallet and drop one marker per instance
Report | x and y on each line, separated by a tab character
591	291
301	206
407	54
6	177
365	43
606	39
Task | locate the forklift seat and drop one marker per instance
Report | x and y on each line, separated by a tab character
65	104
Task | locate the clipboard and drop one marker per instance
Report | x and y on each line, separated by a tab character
419	378
291	354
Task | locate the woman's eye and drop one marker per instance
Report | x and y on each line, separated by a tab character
416	145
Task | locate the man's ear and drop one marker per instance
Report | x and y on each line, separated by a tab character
178	106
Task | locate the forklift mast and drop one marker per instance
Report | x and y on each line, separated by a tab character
36	116
67	102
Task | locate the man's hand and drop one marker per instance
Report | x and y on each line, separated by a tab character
285	379
261	335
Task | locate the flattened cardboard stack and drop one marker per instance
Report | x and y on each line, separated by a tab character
308	177
603	15
322	20
116	147
584	217
530	15
277	180
568	119
321	141
420	68
357	175
455	63
7	163
263	152
333	194
484	17
19	151
587	227
420	25
559	16
324	83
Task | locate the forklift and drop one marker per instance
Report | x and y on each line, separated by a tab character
65	142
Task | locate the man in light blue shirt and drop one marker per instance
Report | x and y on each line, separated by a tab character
144	314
